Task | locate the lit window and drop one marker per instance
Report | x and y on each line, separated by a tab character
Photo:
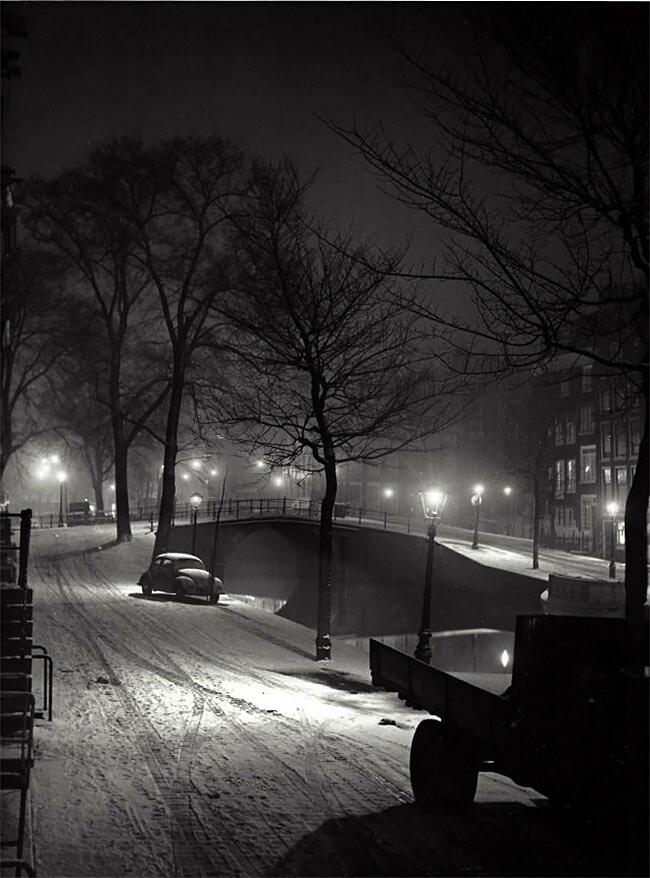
606	439
570	476
559	432
587	503
570	432
559	478
607	483
588	464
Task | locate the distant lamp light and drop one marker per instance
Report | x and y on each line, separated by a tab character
507	490
112	487
389	492
277	481
54	458
185	477
259	464
213	472
196	464
195	500
612	508
505	658
61	476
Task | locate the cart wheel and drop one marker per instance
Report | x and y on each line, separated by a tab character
444	768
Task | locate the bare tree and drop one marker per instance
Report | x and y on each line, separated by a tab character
74	216
31	325
176	198
538	185
327	365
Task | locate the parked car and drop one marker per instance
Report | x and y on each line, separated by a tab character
180	574
80	512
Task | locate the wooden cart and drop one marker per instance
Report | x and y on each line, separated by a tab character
573	724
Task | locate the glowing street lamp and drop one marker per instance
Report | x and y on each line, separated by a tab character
477	499
508	493
278	481
195	502
61	477
612	510
433	504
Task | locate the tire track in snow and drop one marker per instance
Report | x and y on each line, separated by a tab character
161	763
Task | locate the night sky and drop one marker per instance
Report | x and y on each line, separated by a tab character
257	71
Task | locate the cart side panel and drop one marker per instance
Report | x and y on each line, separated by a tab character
484	716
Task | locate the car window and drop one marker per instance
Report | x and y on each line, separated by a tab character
191	564
164	562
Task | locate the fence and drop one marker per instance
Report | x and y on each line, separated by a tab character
246	508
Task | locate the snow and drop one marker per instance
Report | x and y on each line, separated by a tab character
205	740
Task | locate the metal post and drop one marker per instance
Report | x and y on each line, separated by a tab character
423	649
151	521
385	514
477	507
237	508
60	504
23	551
408	525
612	562
284	505
194	517
359	516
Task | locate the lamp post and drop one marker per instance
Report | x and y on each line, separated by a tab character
195	502
612	511
508	493
61	477
477	499
433	504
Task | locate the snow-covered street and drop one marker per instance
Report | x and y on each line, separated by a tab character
204	740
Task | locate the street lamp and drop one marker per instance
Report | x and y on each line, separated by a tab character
508	493
477	499
612	511
195	502
433	504
61	477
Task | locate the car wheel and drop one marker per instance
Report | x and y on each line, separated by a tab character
179	589
146	586
214	597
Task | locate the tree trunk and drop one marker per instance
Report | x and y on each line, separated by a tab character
168	498
122	517
636	534
96	472
536	517
323	639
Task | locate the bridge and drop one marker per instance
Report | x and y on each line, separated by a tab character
270	551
